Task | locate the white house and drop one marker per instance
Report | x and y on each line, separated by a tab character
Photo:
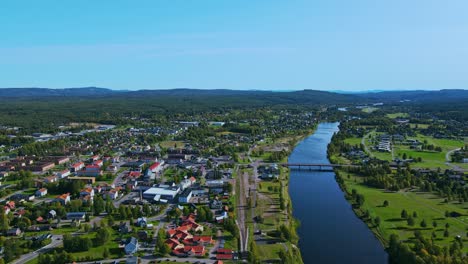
63	174
41	192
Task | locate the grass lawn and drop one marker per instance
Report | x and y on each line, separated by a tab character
171	144
398	115
353	141
428	206
430	159
369	109
422	126
269	251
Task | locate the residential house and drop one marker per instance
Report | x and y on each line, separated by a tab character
63	199
41	192
124	227
156	167
77	167
131	247
142	222
14	232
224	254
185	196
76	216
87	191
112	194
63	174
91	170
52	214
98	163
50	179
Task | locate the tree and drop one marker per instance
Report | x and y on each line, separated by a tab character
410	221
404	214
385	203
98	205
446	233
423	224
377	221
253	256
102	236
161	248
4	222
434	224
105	253
415	214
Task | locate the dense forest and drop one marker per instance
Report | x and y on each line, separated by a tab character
45	109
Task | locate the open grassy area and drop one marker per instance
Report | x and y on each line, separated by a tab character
397	115
353	141
369	109
428	206
172	144
270	251
422	126
430	159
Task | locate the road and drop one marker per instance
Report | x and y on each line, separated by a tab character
241	208
363	142
56	242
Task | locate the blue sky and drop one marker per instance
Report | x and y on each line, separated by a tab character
269	45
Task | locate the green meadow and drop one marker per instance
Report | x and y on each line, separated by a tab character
427	206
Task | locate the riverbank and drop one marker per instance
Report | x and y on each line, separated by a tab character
329	232
407	209
273	208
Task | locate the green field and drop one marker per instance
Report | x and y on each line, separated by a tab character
172	144
353	141
397	115
427	205
430	159
369	109
422	126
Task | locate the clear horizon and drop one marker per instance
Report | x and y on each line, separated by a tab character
243	45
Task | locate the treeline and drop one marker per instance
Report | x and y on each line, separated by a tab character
422	251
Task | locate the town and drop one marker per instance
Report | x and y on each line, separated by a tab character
152	193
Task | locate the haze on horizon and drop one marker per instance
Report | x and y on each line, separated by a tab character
262	45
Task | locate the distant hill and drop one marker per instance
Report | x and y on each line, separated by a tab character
418	96
46	92
250	97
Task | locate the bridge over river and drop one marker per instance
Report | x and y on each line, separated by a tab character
313	166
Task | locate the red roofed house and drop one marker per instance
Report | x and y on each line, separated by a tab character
98	162
203	240
63	199
10	204
134	174
193	226
198	251
41	192
156	167
87	191
224	254
174	243
77	166
192	180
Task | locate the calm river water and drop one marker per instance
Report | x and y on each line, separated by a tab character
330	232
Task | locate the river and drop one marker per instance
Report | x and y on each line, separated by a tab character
329	232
